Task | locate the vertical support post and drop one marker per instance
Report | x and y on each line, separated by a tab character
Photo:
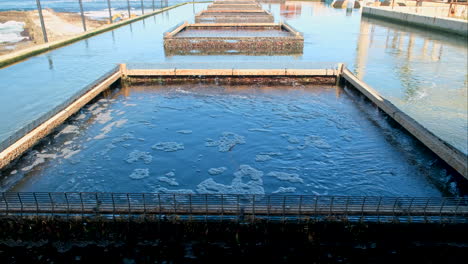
110	11
222	207
300	209
393	4
68	205
129	209
83	20
6	204
113	206
159	206
82	205
144	206
37	204
253	208
142	8
128	8
41	18
206	207
52	204
21	202
153	6
190	207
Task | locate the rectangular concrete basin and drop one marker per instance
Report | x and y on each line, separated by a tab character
217	38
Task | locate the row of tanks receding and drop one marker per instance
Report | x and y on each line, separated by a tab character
233	27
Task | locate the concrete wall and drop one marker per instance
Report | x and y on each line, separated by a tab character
449	25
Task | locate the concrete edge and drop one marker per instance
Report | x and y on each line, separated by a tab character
368	12
227	72
9	59
453	157
35	135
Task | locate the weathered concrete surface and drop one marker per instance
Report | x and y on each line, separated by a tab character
293	43
449	25
227	72
234	7
30	139
228	16
453	157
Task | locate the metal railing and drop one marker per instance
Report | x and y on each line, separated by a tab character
234	207
132	8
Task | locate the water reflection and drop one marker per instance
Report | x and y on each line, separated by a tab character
291	9
429	67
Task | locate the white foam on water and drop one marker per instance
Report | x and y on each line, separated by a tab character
137	155
283	176
108	128
263	158
69	129
170	174
138	174
68	152
217	171
40	158
177	191
169	181
285	190
168	146
317	142
184	132
247	180
226	142
104	117
291	139
259	130
10	32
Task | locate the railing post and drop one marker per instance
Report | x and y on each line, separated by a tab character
253	208
175	205
68	205
378	209
284	208
144	206
315	208
52	203
37	204
268	207
409	210
113	206
222	207
190	206
21	202
41	18
300	209
128	8
110	11
362	208
6	204
206	207
129	209
441	208
425	208
159	206
82	205
83	20
142	8
393	210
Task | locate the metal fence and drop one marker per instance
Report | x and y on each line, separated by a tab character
114	10
234	207
29	127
